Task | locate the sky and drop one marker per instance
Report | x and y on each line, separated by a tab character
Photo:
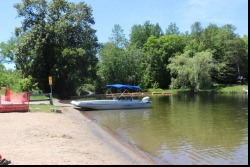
127	13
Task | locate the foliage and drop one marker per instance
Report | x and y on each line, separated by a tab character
7	50
140	33
155	85
159	50
26	84
191	71
56	39
233	61
15	81
119	62
229	88
85	89
9	78
226	46
172	29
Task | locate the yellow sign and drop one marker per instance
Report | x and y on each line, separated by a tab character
50	80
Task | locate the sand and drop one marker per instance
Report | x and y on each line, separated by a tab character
66	138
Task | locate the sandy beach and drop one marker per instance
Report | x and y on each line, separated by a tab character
67	138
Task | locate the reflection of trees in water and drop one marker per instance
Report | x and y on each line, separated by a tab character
203	121
212	124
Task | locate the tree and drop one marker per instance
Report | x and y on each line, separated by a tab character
195	42
191	71
118	37
233	61
56	39
7	50
172	29
226	46
113	65
196	31
245	59
121	62
140	33
159	50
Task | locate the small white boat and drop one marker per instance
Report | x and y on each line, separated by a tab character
118	102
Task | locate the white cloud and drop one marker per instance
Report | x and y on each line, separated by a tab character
212	11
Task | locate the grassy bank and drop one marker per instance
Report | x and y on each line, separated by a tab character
217	88
42	107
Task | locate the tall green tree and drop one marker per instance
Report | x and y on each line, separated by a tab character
7	51
140	33
191	71
194	42
121	62
113	65
158	51
57	40
245	61
233	64
226	46
172	29
229	52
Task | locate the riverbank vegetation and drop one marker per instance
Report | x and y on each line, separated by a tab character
218	88
56	39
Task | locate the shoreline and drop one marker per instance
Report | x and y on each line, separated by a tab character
67	138
122	142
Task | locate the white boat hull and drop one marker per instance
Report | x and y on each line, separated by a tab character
112	104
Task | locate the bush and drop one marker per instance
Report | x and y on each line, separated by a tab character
85	89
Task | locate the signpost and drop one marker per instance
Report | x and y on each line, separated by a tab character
50	80
50	83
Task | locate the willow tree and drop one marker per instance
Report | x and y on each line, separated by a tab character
56	39
190	71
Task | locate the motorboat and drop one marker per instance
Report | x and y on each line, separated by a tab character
119	101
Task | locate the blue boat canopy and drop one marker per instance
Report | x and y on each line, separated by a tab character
121	86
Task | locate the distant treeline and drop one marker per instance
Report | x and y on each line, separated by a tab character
56	39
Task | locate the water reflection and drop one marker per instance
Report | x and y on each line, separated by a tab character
183	129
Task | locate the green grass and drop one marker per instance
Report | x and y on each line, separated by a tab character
162	90
39	98
42	107
220	88
230	88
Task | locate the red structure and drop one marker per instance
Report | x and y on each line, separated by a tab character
14	102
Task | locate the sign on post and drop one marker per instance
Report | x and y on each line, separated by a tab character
50	80
50	83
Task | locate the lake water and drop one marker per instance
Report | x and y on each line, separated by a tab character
184	129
